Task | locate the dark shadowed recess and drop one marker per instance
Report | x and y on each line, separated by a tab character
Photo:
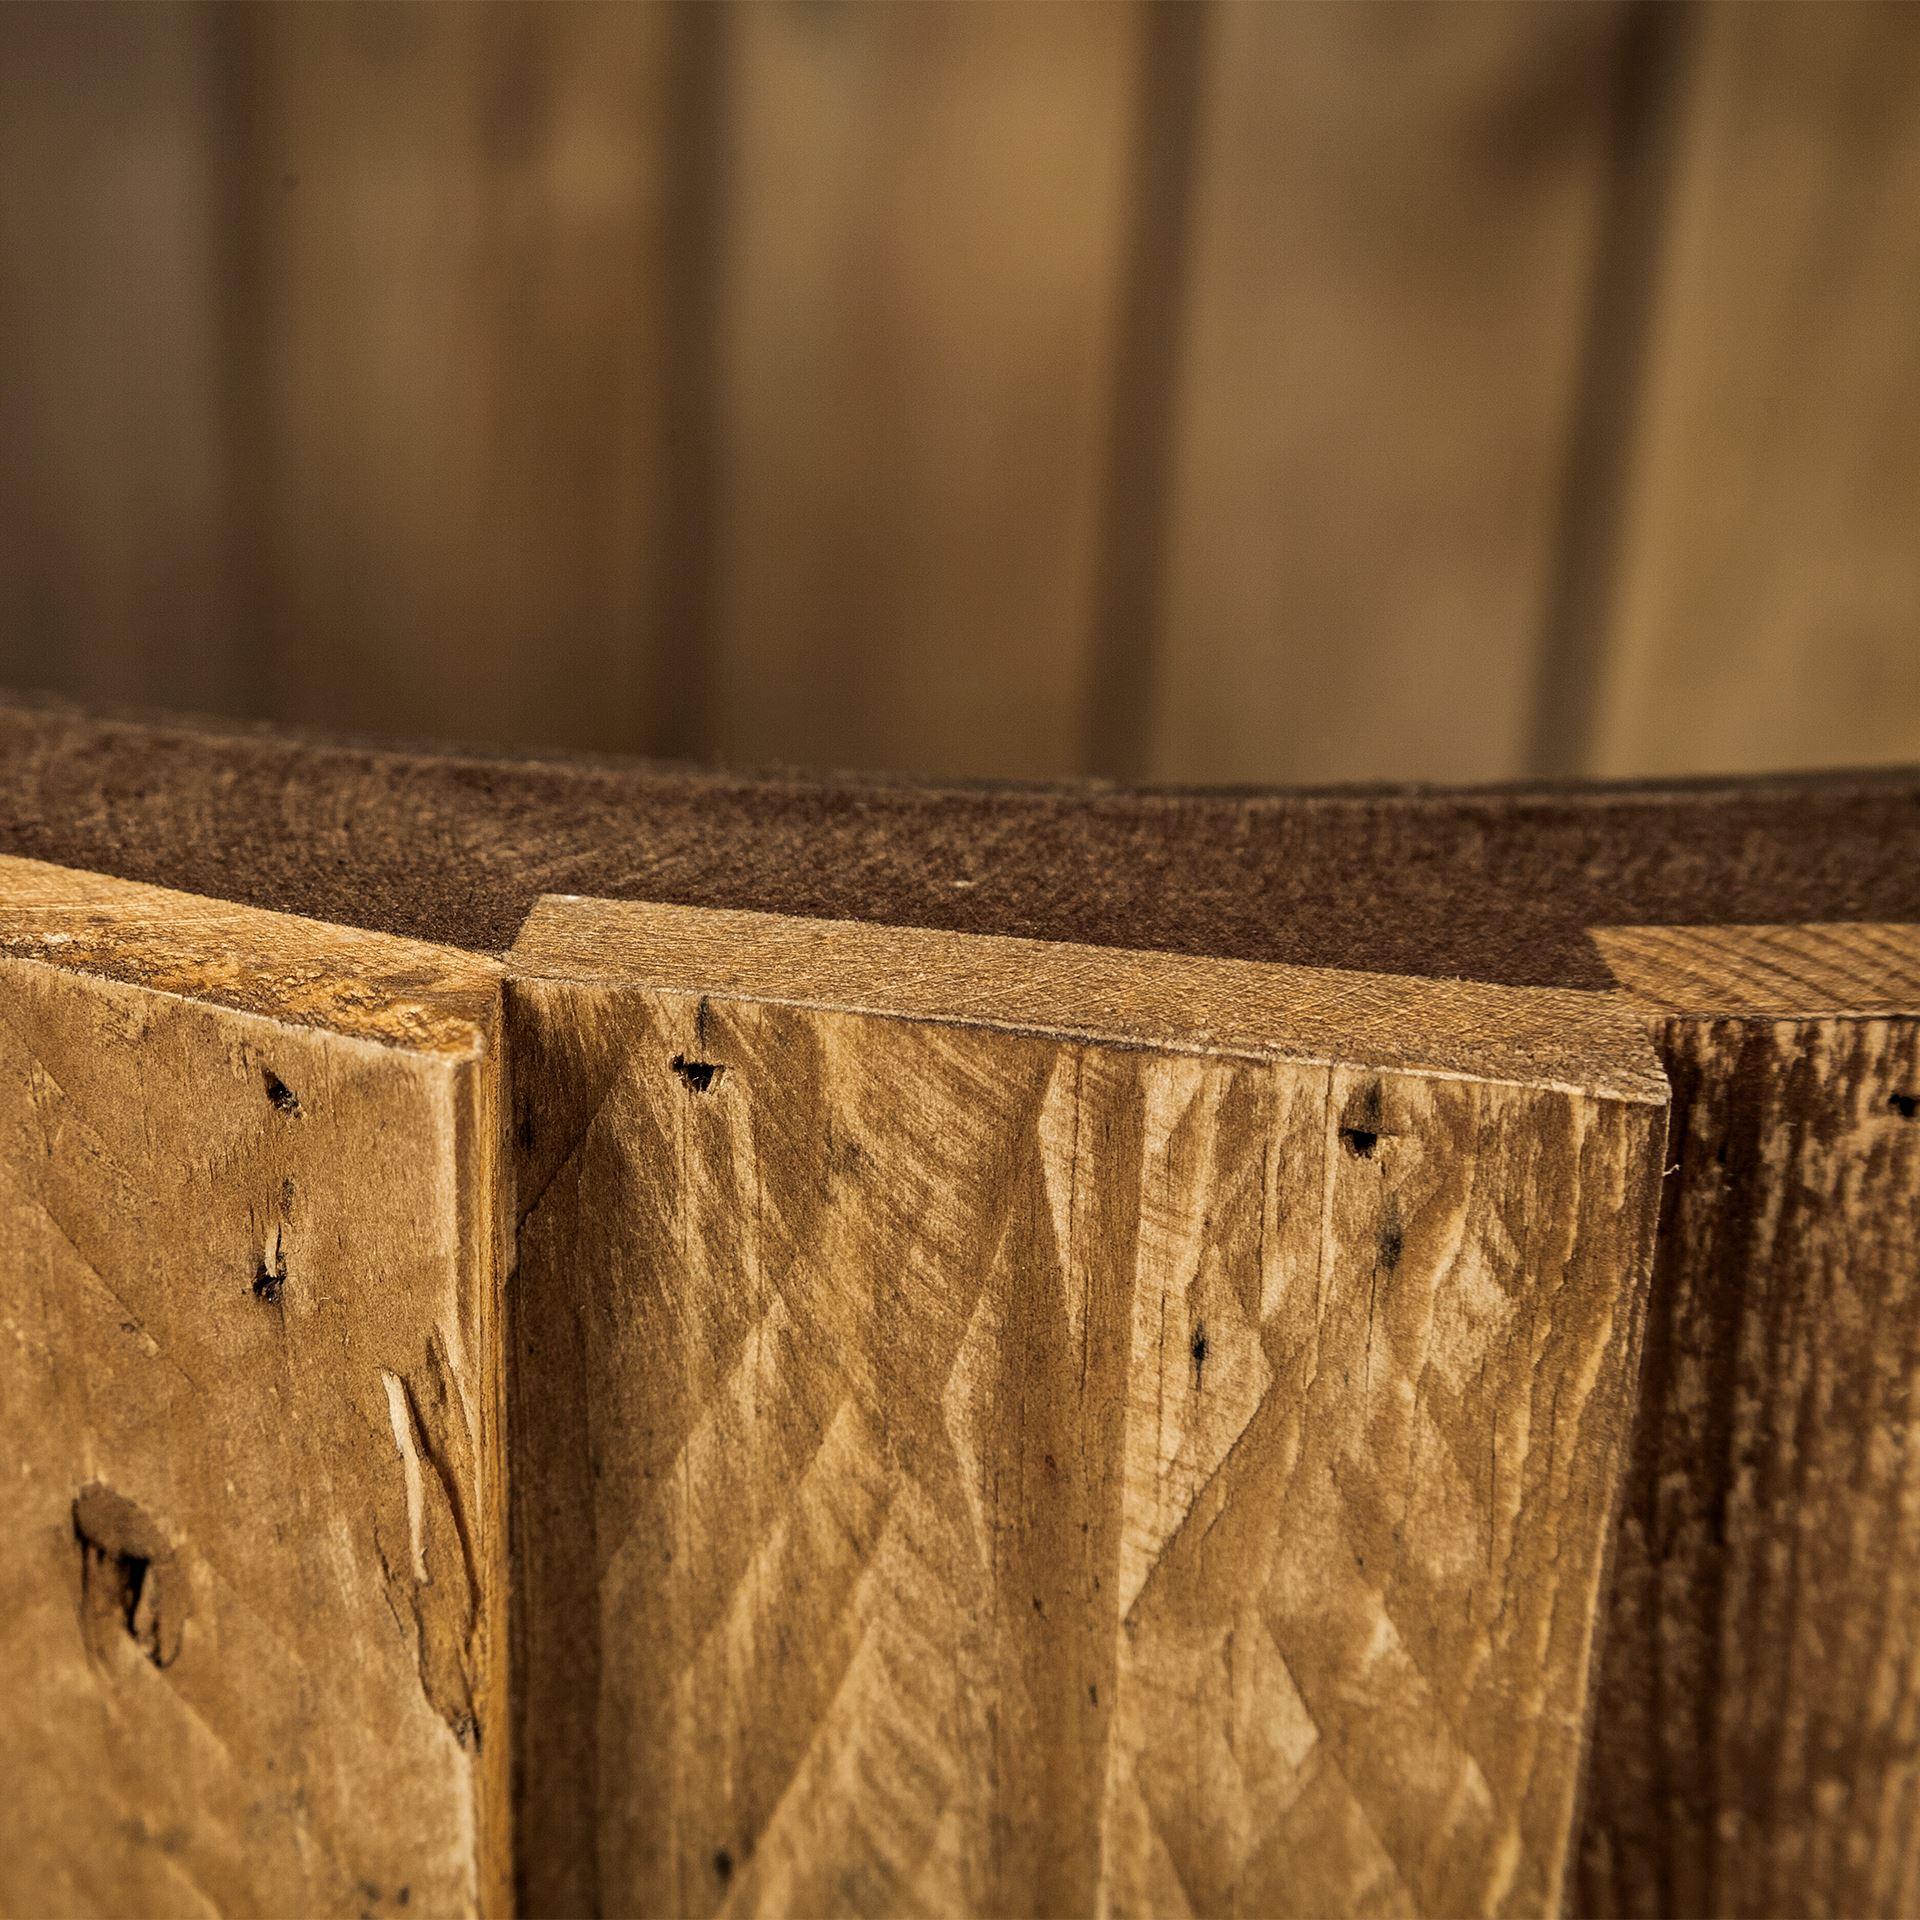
1490	884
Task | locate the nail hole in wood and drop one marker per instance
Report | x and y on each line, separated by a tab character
698	1074
1361	1133
284	1099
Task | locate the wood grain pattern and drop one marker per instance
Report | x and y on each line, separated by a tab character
1532	1035
1757	1735
1483	886
249	1271
1238	392
1398	217
1853	969
925	229
118	575
1767	567
1017	1466
456	248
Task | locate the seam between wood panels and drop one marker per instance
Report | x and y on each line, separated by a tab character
242	164
1137	491
695	146
1653	68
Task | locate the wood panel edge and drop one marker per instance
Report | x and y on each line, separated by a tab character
275	981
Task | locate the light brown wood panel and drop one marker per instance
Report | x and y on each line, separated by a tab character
249	1365
924	225
1757	1736
1010	1428
457	256
1768	577
116	575
1396	228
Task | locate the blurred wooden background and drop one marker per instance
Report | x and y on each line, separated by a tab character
1208	392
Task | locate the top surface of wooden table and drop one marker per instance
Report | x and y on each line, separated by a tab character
1497	885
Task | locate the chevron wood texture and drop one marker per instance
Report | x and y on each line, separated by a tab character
1757	1734
991	1425
1155	1454
249	1373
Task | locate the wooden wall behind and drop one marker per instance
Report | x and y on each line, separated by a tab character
1209	392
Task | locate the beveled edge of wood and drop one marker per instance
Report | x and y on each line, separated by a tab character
371	987
1861	969
1552	1037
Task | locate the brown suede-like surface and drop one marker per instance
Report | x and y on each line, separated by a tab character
1495	885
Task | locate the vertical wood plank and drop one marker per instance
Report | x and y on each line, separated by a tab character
924	234
1010	1428
115	570
1768	572
1130	610
1397	224
1654	57
1757	1734
254	1506
459	253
